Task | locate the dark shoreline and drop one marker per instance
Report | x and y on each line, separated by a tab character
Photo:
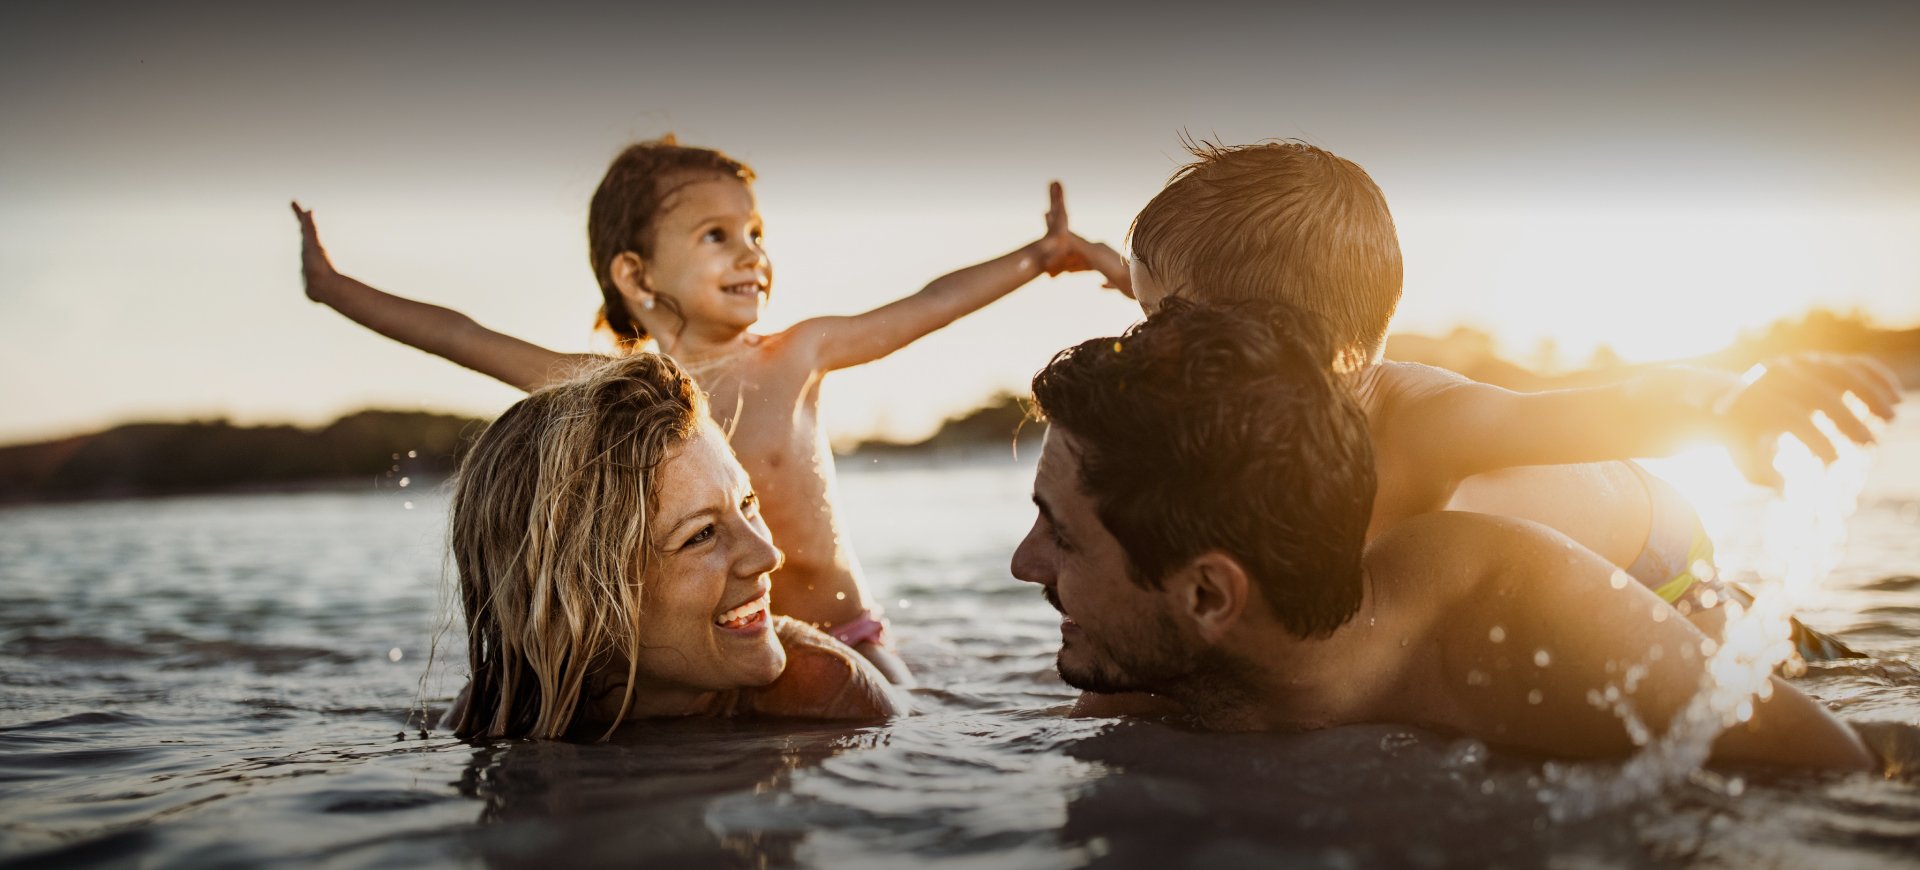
375	448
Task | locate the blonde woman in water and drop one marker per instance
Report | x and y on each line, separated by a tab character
614	565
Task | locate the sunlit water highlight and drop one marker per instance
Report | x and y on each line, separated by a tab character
1804	540
214	682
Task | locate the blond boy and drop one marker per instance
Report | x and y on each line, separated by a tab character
1292	222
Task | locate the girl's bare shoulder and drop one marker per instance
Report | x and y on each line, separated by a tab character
824	679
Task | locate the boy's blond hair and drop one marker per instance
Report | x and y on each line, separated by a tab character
1277	221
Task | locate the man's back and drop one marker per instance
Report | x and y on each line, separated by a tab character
1512	631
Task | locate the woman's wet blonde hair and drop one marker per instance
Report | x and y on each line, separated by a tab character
549	538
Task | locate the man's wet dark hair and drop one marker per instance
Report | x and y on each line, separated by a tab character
1221	427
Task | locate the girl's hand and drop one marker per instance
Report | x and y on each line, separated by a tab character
314	265
1056	247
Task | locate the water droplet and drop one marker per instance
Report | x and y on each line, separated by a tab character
406	505
1744	711
839	596
1541	659
1397	741
1497	634
1405	640
405	480
393	655
1477	677
904	604
1467	753
1736	786
1487	786
1620	580
1660	612
1535	697
1709	598
411	454
1702	570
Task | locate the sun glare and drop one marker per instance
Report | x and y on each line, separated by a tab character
1652	285
1798	536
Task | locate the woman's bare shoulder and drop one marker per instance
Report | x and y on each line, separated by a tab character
824	679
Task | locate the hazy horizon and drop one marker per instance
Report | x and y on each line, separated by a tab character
1651	178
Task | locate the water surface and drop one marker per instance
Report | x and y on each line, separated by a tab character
225	681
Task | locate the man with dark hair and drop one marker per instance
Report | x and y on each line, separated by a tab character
1203	502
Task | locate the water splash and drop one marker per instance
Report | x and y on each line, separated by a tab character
1804	540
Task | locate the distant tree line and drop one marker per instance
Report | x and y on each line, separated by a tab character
998	424
167	458
1471	352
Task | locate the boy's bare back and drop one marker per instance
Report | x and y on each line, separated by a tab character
1602	505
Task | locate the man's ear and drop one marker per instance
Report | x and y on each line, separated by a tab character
1212	591
629	273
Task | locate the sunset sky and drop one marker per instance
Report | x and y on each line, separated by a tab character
1655	178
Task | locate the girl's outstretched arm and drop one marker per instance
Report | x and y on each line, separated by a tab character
442	332
843	342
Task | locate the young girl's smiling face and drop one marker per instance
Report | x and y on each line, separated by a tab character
707	256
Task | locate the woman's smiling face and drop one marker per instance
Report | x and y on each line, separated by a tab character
705	623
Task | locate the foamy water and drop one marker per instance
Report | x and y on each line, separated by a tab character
226	681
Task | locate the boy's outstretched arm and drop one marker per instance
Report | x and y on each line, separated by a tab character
843	342
1467	427
439	331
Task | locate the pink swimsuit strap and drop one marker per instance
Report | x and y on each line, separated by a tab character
861	629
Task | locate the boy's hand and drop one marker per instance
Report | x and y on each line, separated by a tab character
1106	260
1781	396
314	265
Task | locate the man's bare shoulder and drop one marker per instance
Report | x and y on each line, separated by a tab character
1428	536
1456	551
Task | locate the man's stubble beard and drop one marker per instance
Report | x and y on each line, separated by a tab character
1159	663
